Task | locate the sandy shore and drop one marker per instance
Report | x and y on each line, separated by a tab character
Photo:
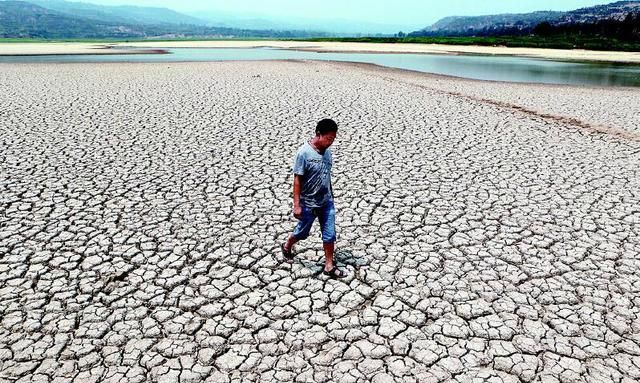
491	231
554	54
31	49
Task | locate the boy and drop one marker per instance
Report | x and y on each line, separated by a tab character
313	195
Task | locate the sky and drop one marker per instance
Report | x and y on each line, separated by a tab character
409	13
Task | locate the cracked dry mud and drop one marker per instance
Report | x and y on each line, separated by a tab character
489	235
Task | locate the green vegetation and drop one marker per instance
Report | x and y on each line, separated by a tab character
627	30
575	41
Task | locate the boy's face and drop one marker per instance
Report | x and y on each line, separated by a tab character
325	140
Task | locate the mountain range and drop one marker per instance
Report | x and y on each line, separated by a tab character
68	19
118	14
17	19
21	19
510	24
335	26
57	19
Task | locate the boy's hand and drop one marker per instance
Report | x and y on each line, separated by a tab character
297	212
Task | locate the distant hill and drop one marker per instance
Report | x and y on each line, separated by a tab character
333	26
513	24
458	25
147	22
20	19
118	14
613	11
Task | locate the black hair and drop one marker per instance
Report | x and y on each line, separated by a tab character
326	126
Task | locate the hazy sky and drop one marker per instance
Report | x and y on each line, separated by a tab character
397	12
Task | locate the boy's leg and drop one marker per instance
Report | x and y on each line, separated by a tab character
327	218
329	248
290	242
301	230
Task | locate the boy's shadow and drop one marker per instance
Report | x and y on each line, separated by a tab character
342	257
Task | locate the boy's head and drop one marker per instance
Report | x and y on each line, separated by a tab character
326	126
326	131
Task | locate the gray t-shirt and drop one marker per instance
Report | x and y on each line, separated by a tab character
315	169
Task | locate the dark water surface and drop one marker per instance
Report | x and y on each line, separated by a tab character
497	68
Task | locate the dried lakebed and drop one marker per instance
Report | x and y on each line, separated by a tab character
491	230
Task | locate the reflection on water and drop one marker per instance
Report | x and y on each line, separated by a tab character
497	68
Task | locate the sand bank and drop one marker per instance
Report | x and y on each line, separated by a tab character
39	49
553	54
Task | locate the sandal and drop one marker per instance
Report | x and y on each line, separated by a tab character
288	255
335	273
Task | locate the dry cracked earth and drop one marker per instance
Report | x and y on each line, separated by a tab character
491	231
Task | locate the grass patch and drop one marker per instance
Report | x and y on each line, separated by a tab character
555	42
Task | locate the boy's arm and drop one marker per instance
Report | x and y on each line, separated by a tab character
331	187
297	209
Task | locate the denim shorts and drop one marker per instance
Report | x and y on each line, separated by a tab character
327	218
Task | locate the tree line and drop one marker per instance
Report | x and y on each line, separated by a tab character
627	29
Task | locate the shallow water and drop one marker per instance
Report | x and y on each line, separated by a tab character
497	68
